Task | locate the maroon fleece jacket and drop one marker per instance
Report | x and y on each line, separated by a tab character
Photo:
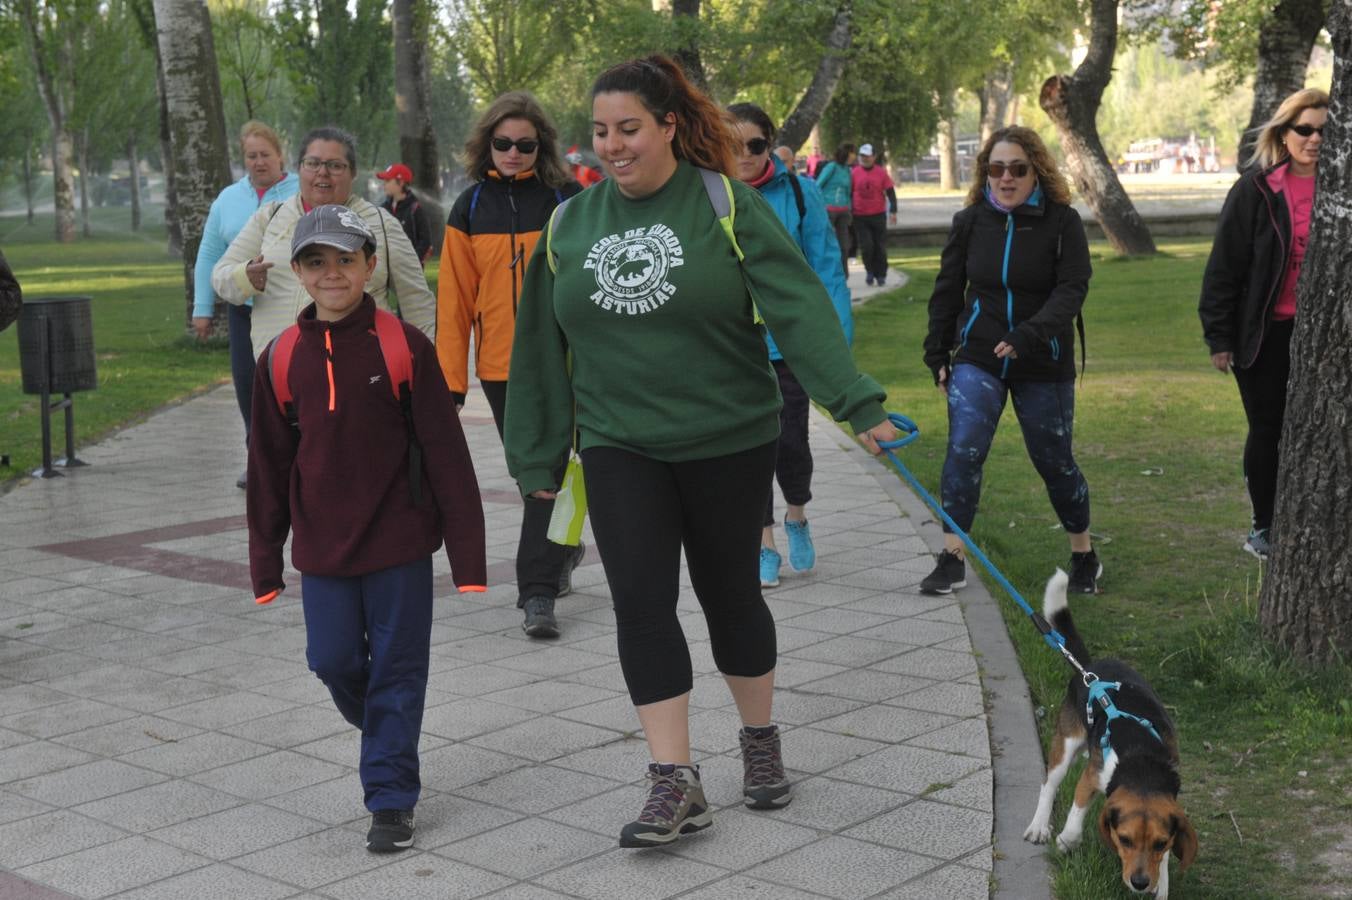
341	482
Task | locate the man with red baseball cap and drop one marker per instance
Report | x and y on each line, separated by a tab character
401	204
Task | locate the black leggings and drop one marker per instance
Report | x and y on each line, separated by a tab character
643	512
1262	387
793	464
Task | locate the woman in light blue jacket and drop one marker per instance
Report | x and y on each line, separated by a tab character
833	178
799	205
265	180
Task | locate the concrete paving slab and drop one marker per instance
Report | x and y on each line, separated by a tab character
161	737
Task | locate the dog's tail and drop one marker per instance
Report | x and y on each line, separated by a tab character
1056	610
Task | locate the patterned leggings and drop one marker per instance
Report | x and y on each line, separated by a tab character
1046	413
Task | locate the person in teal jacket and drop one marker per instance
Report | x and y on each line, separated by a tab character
834	179
265	180
675	407
799	205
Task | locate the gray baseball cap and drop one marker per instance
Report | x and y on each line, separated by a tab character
331	225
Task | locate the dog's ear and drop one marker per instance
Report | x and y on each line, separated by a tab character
1185	839
1107	823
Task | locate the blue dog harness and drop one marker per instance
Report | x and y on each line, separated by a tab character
1100	692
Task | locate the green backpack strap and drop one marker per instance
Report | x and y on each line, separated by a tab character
550	256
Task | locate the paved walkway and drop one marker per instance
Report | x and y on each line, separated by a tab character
160	736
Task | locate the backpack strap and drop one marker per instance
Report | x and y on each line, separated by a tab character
719	189
798	198
550	256
474	202
279	370
399	364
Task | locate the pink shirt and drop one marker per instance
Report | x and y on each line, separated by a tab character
1299	194
869	190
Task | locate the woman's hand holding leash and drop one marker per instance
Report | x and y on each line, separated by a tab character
883	432
1004	349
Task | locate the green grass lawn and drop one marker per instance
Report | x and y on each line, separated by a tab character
1159	435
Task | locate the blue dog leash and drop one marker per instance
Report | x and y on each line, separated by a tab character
1049	634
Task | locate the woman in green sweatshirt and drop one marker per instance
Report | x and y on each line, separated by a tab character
677	408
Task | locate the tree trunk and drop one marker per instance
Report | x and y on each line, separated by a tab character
995	97
687	54
948	143
134	168
28	182
1072	103
817	97
413	102
82	156
1303	606
1284	44
49	88
198	143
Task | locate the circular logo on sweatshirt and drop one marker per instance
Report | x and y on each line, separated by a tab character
632	269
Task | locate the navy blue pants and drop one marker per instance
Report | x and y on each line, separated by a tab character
368	638
1046	413
793	456
242	362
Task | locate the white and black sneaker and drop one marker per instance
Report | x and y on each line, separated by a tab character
1085	571
391	831
950	572
1258	543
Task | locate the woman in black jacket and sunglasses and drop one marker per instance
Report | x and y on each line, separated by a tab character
1248	300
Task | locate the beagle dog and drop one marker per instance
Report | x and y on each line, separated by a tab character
1133	760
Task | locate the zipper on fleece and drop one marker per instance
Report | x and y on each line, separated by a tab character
328	363
967	329
1004	279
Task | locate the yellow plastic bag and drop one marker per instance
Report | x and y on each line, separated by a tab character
570	506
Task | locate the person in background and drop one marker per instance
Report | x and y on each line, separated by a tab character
328	164
786	156
513	155
401	203
1018	240
1248	303
677	409
265	181
798	204
834	180
873	204
340	478
583	174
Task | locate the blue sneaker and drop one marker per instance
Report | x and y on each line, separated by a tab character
769	567
802	555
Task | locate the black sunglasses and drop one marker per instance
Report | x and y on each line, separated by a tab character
1018	169
1307	130
756	146
525	145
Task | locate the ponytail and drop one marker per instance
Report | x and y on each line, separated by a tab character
702	135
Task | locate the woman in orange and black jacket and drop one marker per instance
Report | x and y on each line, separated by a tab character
513	156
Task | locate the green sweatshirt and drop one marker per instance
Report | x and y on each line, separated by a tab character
667	359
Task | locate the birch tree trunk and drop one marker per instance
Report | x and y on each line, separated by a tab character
413	103
56	103
198	144
28	183
1303	606
1072	102
822	88
82	157
1284	45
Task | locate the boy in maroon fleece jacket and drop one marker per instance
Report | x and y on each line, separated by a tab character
339	480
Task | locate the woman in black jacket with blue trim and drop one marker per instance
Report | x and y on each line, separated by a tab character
1248	303
1002	319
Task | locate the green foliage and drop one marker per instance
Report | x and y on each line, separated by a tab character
114	96
25	121
512	44
254	83
339	58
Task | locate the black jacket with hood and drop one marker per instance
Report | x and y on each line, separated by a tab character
1019	277
1248	262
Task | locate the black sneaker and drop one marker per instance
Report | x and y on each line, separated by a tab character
391	831
242	481
764	784
1085	571
540	621
950	572
675	806
1258	543
571	561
